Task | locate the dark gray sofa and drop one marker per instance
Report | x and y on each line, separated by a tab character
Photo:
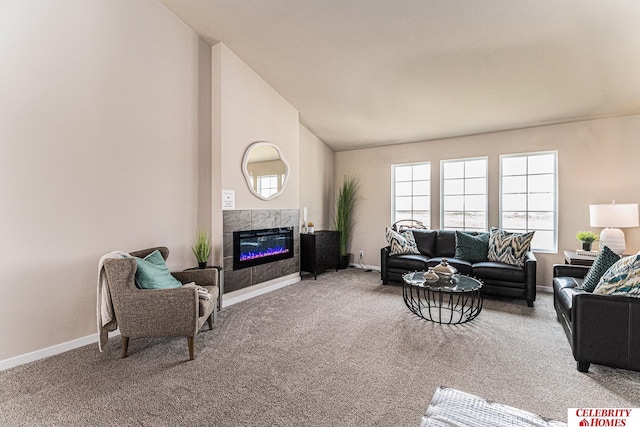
499	279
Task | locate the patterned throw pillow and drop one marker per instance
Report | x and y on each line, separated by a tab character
605	259
509	248
401	243
472	248
623	278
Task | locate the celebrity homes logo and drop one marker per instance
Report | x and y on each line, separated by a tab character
603	417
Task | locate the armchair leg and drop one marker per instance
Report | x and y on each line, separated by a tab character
210	320
125	346
190	341
530	302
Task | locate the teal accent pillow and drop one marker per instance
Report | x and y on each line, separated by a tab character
401	243
509	248
472	248
623	278
605	259
152	273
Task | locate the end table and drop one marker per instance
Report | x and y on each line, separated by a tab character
571	257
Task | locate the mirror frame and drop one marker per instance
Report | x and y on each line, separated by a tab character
247	177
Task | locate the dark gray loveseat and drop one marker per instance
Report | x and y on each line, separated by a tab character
499	279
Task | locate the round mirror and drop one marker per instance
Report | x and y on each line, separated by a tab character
265	170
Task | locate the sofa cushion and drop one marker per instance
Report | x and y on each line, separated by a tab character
446	244
623	278
498	271
426	241
472	248
401	243
463	267
152	273
408	262
605	259
510	248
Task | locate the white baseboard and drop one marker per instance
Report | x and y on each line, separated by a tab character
228	299
51	351
366	267
259	289
544	289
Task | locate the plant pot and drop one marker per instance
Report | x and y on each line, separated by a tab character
586	246
202	265
344	261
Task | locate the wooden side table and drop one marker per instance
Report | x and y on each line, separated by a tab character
571	257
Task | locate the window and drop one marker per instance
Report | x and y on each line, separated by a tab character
528	197
464	194
267	185
412	192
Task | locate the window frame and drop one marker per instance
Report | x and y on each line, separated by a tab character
554	249
393	191
486	191
272	179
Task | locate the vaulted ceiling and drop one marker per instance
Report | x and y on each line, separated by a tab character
373	72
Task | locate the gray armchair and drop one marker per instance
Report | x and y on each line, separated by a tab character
160	312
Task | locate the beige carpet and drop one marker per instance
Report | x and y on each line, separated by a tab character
340	351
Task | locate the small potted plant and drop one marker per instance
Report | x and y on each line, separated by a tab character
202	248
587	238
310	227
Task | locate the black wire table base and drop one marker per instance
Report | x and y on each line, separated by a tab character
446	305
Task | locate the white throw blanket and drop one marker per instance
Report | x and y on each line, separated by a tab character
105	315
203	293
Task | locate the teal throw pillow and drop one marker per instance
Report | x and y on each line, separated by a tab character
509	248
401	243
623	278
152	273
605	259
472	248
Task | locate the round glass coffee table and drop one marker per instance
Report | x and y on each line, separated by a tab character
448	301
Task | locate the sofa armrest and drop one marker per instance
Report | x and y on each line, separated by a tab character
201	277
606	330
530	257
158	312
567	270
531	270
384	254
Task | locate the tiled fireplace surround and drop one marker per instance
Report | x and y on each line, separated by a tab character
242	220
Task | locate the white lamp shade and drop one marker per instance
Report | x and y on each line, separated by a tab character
614	215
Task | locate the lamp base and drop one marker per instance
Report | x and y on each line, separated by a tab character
613	238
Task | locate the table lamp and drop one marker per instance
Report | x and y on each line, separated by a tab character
613	217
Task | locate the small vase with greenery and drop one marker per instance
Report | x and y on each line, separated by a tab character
202	248
346	204
587	238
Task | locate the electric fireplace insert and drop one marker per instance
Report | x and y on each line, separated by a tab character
255	247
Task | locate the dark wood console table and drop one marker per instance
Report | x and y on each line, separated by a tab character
319	251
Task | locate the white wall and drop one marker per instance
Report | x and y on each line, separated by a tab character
251	111
100	135
317	187
597	162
